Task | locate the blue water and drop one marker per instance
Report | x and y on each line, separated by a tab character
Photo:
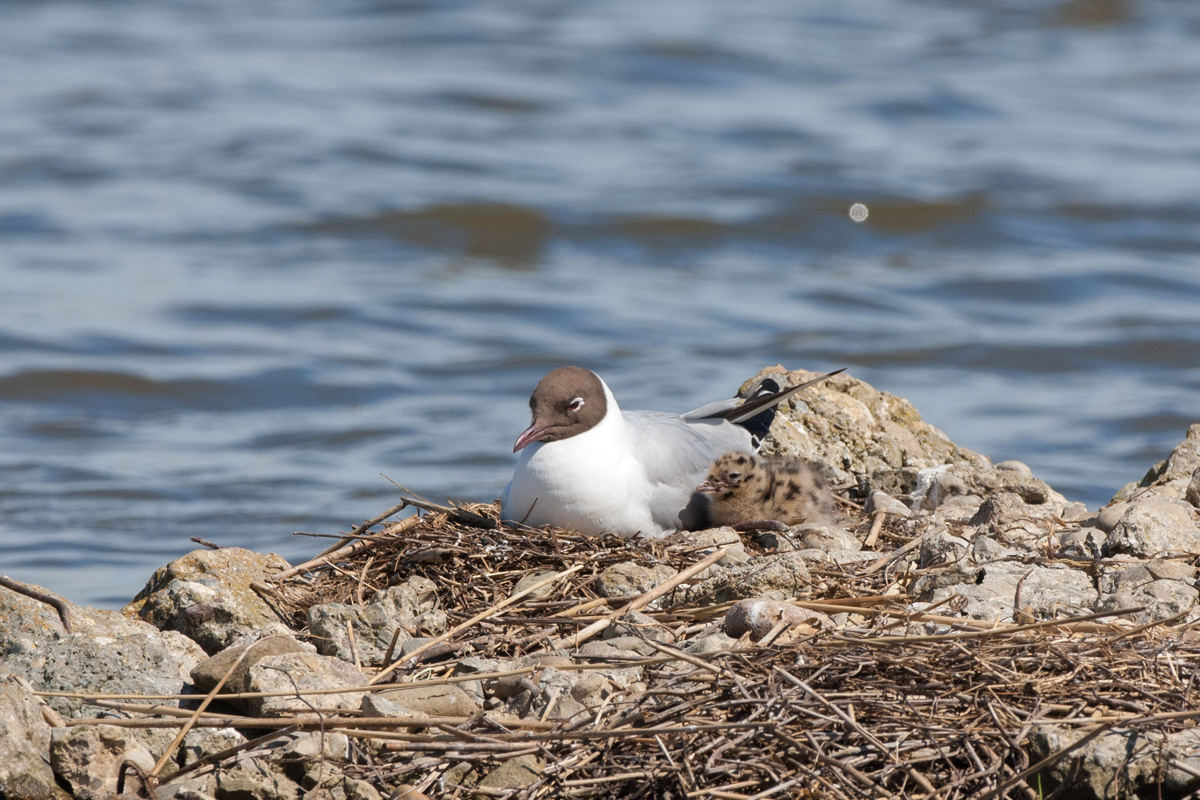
253	257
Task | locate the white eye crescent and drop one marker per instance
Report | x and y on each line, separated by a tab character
575	404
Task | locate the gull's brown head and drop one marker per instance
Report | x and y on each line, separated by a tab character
565	403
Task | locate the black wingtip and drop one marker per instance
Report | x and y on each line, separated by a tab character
757	413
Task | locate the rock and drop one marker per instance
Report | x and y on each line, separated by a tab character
431	701
106	654
839	557
773	542
630	578
630	644
758	616
1138	585
779	577
1084	543
1120	763
406	608
292	672
514	773
209	672
533	579
87	758
709	643
625	648
826	537
1019	467
207	596
375	705
464	773
880	443
935	485
1000	509
943	548
1192	493
323	782
313	746
24	743
885	503
187	787
1155	527
474	665
635	623
561	695
708	541
312	759
984	549
1110	515
510	685
202	742
989	592
331	624
584	686
255	779
957	509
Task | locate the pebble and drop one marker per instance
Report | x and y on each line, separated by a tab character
1110	516
883	502
759	615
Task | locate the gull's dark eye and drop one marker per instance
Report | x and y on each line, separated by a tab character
575	404
733	476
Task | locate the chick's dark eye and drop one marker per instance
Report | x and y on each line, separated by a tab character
575	404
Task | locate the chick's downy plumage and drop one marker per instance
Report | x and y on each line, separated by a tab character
743	488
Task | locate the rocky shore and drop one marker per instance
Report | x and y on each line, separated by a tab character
967	632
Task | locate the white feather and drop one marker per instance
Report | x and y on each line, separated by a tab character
632	473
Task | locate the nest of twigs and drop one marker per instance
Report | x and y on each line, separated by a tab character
876	706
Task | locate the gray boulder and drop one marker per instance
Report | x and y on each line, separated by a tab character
1162	588
207	596
779	577
209	672
255	779
25	770
1121	763
398	612
630	578
990	591
88	759
879	442
429	701
105	654
297	673
1153	527
515	773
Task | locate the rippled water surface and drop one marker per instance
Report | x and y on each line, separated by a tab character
255	255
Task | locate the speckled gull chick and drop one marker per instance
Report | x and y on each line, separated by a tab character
747	491
586	465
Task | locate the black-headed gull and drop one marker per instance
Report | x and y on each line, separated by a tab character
745	490
586	465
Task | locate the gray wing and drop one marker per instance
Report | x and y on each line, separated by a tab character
676	454
714	409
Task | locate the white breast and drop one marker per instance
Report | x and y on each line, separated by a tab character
633	473
591	483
